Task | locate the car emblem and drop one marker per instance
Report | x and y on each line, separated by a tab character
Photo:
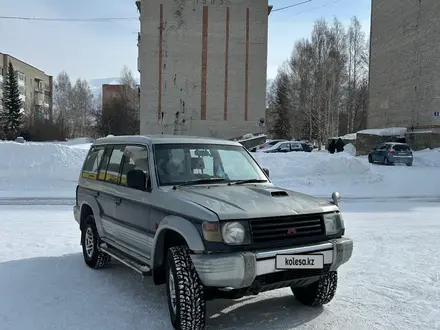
291	231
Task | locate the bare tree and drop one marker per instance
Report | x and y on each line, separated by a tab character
62	99
82	109
357	67
326	84
130	97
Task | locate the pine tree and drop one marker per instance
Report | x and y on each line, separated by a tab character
11	103
280	103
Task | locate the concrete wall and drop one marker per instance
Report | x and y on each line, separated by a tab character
405	64
423	140
203	66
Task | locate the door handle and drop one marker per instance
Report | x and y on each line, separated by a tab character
118	201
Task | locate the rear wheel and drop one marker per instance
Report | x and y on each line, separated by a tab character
370	159
90	241
318	293
408	164
185	291
386	161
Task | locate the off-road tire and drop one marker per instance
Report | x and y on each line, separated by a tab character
370	159
318	293
190	299
97	259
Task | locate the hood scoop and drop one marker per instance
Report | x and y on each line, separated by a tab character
279	193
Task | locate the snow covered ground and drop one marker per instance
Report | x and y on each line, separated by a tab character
392	281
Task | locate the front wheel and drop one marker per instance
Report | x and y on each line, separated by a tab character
386	161
370	159
185	291
318	293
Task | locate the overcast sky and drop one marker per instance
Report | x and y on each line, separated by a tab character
100	50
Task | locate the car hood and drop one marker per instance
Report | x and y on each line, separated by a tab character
252	201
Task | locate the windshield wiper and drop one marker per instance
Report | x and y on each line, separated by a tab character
250	181
201	181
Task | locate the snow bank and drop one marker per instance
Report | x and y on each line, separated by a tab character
391	131
321	173
427	158
39	169
350	149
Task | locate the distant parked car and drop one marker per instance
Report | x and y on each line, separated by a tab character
391	153
268	144
288	146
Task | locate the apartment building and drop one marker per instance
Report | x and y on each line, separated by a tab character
405	64
35	87
202	65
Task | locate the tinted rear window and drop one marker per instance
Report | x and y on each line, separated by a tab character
401	148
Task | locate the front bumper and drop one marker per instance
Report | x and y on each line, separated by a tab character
239	270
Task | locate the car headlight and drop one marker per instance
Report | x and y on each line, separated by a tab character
333	223
231	233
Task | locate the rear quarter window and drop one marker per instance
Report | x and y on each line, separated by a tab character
91	164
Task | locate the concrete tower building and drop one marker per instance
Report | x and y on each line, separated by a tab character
203	66
405	64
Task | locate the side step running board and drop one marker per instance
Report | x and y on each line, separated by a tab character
144	270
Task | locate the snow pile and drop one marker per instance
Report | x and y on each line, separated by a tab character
427	158
39	169
391	131
318	173
321	173
350	149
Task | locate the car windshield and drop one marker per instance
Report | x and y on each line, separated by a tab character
185	163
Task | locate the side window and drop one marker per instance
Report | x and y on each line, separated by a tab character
284	146
296	146
91	165
135	158
112	174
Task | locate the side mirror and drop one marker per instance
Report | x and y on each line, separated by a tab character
336	198
266	171
136	179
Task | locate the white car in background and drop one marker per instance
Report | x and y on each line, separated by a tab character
268	145
287	146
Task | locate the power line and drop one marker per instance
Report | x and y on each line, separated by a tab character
319	7
290	6
109	19
84	20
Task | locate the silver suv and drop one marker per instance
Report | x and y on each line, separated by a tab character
201	216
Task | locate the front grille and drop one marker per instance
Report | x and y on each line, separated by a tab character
288	228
